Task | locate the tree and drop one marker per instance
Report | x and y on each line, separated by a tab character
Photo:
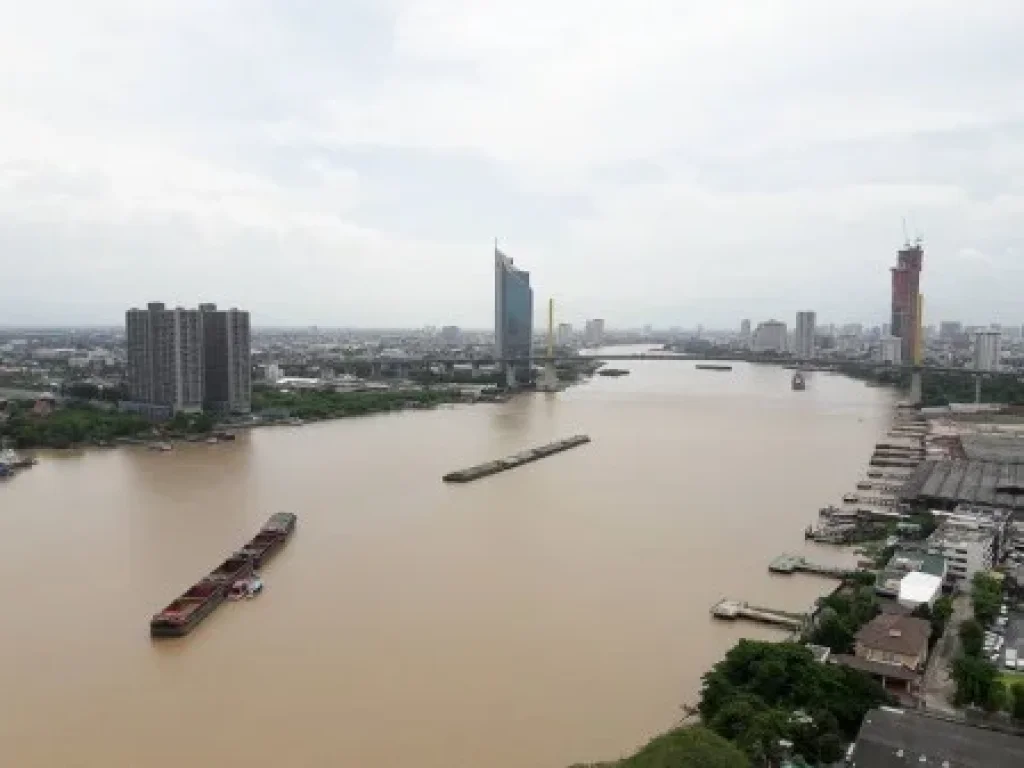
972	635
998	699
1018	700
986	594
974	680
686	747
943	609
752	696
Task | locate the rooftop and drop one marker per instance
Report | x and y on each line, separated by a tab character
890	671
919	587
951	535
891	738
958	481
904	635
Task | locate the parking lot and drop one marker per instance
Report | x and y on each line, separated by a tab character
1013	635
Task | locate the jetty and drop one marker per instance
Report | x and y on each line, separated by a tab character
730	610
789	564
525	457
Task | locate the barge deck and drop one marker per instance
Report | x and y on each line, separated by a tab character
186	611
511	462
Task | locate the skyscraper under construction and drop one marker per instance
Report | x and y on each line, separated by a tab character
906	300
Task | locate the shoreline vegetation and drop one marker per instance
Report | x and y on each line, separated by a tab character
764	703
83	424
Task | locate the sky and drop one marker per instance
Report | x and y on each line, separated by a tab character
350	163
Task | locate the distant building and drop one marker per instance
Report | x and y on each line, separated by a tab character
513	317
182	360
849	344
770	336
227	360
906	299
593	332
450	334
890	350
804	339
564	334
987	350
745	337
165	357
274	373
950	329
893	738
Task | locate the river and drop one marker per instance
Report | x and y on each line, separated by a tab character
547	615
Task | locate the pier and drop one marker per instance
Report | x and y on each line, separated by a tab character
788	564
517	460
730	610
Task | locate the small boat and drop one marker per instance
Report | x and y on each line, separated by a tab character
799	384
245	589
211	441
709	367
160	446
613	372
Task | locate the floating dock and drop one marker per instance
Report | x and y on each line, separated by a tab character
201	599
731	610
787	564
525	457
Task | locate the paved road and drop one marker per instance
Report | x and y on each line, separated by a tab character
938	687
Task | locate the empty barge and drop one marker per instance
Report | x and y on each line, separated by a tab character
511	462
201	599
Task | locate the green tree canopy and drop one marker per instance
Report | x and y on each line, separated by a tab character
972	635
974	680
686	747
1017	692
986	594
763	692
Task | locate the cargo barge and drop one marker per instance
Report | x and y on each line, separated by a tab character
710	367
511	462
201	599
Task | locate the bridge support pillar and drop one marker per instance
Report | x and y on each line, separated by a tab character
510	375
977	389
915	388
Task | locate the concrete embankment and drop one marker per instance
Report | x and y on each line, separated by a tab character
511	462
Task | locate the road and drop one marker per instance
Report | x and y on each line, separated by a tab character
937	688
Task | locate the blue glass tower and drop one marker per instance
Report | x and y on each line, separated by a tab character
513	316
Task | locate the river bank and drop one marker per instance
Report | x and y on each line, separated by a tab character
537	615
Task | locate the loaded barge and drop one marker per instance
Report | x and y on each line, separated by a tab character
200	600
511	462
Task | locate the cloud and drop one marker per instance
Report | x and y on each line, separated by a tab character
657	161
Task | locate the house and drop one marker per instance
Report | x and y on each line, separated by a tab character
45	405
893	738
893	649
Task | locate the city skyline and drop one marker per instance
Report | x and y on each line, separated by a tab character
687	184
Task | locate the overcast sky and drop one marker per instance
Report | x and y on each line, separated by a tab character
349	162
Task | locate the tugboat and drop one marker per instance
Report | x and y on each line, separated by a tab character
799	385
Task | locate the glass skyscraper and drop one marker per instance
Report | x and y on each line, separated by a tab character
513	315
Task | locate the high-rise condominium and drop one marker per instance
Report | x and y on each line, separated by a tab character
184	360
805	327
227	359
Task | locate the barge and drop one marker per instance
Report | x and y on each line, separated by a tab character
710	367
185	612
511	462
